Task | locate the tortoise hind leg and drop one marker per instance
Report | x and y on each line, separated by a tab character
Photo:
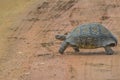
64	45
108	50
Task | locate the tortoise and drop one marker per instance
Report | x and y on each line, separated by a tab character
88	36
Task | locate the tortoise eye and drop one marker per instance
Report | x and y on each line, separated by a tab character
66	33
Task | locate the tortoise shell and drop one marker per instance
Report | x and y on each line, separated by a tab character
92	35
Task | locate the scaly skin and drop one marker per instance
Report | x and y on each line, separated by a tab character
64	45
108	50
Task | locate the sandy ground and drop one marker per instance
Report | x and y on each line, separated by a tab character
10	13
31	51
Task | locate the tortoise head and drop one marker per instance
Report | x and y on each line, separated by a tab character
61	37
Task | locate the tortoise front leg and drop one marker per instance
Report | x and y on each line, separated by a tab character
64	45
108	50
76	49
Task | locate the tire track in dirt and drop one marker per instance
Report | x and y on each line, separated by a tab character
34	38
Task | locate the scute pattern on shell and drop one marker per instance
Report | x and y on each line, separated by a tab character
94	29
91	35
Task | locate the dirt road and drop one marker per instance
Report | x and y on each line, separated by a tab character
34	50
